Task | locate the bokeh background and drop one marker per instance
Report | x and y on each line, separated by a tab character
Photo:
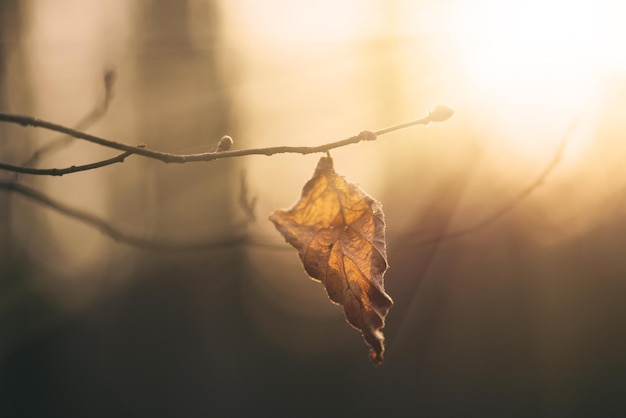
506	250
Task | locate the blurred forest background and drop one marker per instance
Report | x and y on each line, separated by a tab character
521	317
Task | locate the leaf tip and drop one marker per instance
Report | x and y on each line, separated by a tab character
376	357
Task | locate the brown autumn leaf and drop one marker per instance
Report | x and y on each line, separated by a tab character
339	232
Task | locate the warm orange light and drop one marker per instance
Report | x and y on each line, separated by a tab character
542	60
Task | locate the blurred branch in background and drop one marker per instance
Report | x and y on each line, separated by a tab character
108	229
519	197
246	203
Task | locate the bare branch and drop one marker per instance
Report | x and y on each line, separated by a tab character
440	114
521	195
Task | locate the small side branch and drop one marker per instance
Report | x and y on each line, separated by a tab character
68	170
88	120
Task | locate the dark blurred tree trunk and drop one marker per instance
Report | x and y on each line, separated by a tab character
181	104
10	55
178	323
166	342
17	297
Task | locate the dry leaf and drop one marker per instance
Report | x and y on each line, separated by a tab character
339	232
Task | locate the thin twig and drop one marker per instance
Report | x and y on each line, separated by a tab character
246	203
440	114
116	234
88	120
521	195
68	170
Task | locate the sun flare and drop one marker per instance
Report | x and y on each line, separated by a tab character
547	57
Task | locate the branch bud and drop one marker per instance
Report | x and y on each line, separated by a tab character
440	113
224	144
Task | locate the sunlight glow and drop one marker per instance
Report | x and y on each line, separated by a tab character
548	55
